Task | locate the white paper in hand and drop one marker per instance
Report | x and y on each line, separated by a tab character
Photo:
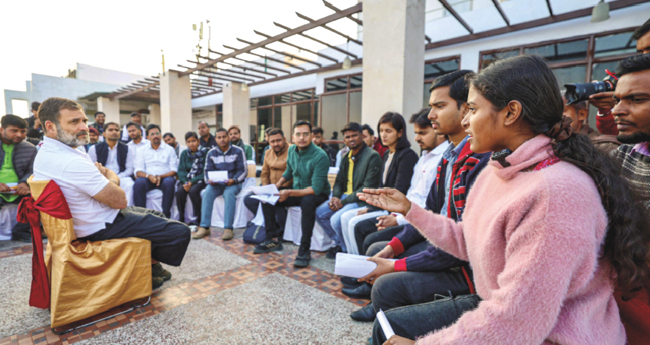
218	176
269	189
385	325
351	265
269	199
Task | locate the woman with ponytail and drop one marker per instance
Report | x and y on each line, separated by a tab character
550	228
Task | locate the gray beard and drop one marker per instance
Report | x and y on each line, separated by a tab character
70	139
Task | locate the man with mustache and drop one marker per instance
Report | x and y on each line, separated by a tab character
360	168
16	161
155	168
97	203
117	157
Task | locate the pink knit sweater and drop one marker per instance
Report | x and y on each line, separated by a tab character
533	239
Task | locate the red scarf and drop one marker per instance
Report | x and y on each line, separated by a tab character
54	204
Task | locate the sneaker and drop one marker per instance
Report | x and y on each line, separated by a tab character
156	282
331	254
267	246
302	260
227	234
157	270
200	233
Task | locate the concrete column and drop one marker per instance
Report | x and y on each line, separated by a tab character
175	104
393	59
236	109
154	113
111	108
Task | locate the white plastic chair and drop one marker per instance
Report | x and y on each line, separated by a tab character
7	220
293	231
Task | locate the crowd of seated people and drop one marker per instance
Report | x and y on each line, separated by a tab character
551	245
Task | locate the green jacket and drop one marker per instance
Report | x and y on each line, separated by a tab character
308	168
366	174
185	165
248	150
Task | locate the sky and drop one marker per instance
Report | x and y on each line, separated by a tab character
49	37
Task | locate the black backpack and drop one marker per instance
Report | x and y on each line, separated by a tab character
254	234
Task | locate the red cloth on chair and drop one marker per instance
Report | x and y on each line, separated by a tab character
635	314
52	202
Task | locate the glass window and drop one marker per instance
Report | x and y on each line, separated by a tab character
277	117
561	52
436	69
569	75
598	69
281	99
316	115
355	107
335	110
426	95
262	101
336	84
253	103
488	59
264	119
302	96
219	108
617	44
356	81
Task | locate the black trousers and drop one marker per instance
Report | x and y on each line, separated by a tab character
308	205
195	196
169	238
280	213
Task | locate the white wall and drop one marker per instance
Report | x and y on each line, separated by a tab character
103	75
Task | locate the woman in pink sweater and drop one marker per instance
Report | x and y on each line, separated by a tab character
535	229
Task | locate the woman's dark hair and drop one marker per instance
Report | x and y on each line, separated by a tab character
421	118
397	121
191	134
528	80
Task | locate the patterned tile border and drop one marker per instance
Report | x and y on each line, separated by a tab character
162	300
26	249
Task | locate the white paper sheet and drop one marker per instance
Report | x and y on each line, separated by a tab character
269	189
333	170
385	325
351	265
218	176
269	199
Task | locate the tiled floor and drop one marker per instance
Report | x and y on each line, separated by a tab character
221	294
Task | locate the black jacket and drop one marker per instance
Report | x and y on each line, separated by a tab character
367	165
22	159
331	154
400	170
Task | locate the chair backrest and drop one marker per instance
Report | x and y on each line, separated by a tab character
57	230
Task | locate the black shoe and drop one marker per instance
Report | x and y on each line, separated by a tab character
331	254
156	282
365	314
350	282
361	292
267	246
158	271
302	260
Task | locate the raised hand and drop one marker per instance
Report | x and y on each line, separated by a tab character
389	199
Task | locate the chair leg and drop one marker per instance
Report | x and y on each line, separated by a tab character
133	307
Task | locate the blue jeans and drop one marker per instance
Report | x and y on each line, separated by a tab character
230	197
142	185
330	221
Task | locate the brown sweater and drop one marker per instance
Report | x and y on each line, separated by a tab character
274	166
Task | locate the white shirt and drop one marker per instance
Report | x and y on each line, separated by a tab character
424	174
156	162
111	161
79	181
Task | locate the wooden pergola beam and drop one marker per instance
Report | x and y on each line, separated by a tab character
318	41
298	47
354	9
285	54
335	9
302	16
270	58
251	69
501	12
257	63
456	15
